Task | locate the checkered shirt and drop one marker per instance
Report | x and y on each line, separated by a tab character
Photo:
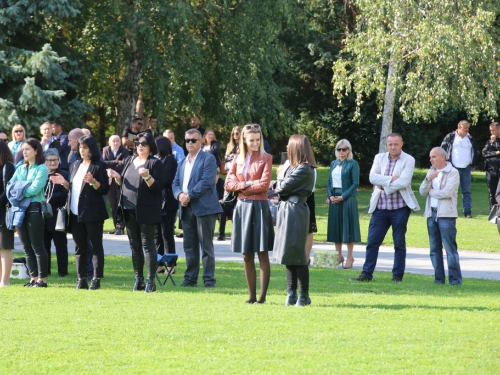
392	201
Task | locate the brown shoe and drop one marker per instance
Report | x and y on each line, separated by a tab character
361	277
396	279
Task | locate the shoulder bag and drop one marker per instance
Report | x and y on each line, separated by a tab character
493	216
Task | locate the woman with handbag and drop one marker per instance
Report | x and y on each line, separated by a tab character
253	231
6	235
141	182
232	148
88	182
164	232
34	172
56	195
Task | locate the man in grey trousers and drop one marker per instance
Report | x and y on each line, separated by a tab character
194	188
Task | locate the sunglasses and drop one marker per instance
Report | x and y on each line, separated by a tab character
191	140
342	149
6	140
18	131
143	144
252	127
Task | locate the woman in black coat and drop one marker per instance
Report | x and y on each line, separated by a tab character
7	170
56	195
88	182
164	232
141	182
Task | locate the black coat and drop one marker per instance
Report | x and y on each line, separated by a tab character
149	200
113	161
59	192
169	165
91	206
9	172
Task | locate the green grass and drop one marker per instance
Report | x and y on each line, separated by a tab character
350	328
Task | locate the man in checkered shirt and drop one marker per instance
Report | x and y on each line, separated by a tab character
391	204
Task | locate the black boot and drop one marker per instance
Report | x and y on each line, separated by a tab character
291	298
303	299
139	284
82	284
150	286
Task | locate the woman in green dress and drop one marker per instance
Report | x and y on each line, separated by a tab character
342	188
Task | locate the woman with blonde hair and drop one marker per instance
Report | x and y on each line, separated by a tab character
18	138
294	185
342	188
211	145
253	231
232	147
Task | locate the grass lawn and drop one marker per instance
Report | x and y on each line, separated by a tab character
380	327
472	234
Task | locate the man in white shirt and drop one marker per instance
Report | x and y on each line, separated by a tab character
461	152
441	188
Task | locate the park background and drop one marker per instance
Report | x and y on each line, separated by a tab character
325	68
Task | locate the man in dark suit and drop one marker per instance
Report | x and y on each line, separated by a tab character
62	137
113	155
194	188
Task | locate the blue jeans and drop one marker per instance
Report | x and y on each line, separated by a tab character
441	231
380	223
465	181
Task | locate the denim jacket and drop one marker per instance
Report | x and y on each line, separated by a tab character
15	195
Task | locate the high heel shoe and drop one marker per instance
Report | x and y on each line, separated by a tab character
346	267
340	261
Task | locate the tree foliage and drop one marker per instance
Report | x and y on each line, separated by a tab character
444	54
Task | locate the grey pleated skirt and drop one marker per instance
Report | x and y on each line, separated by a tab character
253	229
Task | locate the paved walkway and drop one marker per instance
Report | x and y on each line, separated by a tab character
474	264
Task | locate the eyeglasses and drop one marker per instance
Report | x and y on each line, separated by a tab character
143	144
342	149
252	127
6	140
19	131
191	140
52	160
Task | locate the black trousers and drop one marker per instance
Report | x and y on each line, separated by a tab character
164	234
61	244
227	213
141	237
297	272
31	236
80	232
492	178
114	199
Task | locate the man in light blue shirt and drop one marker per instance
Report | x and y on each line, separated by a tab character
177	150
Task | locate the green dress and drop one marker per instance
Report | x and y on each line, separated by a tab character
343	218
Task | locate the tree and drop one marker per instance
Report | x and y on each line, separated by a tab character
427	56
36	81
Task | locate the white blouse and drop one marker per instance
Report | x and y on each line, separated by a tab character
336	177
76	187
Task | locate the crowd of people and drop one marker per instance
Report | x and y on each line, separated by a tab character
60	184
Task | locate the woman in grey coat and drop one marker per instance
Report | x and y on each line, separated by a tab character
294	185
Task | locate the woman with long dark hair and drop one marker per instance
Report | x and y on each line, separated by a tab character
7	170
88	182
141	182
34	172
294	185
164	232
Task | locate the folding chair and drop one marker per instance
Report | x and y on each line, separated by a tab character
170	261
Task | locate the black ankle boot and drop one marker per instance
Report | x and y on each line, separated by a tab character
303	299
291	298
82	284
139	284
150	286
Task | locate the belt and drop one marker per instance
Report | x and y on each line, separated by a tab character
296	199
434	209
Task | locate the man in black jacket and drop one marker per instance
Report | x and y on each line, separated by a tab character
491	153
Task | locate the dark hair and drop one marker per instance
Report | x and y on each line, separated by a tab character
151	143
153	116
57	122
5	153
164	146
37	146
91	143
3	132
137	119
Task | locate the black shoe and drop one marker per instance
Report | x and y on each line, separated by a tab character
40	284
209	286
189	283
30	284
291	298
96	284
468	214
221	238
119	232
150	286
396	279
112	232
139	284
303	299
180	235
82	284
63	274
361	277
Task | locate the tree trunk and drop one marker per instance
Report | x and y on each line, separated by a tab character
388	114
129	90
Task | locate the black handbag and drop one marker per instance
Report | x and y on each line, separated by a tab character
61	219
47	210
230	198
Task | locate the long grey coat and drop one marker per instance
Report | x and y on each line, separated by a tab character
292	220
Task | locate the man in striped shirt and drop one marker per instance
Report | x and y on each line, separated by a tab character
391	204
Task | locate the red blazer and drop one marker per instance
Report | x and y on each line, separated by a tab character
259	171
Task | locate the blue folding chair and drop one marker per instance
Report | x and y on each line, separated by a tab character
170	261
